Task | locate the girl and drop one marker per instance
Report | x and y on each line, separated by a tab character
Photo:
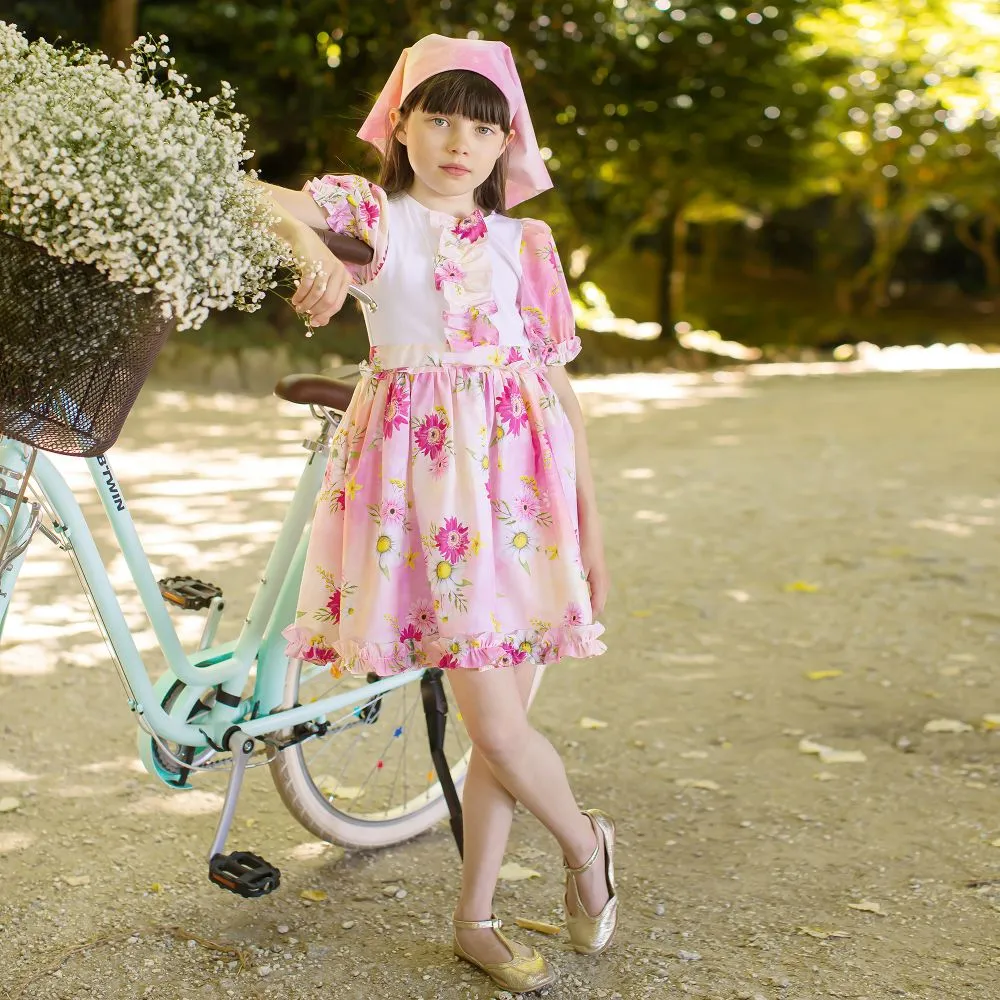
458	526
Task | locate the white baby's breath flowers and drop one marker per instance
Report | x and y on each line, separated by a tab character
126	169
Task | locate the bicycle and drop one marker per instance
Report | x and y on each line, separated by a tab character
225	705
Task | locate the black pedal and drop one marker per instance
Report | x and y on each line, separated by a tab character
248	875
188	593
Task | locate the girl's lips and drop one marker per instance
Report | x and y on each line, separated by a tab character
456	171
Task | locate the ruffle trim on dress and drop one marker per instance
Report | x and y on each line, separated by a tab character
546	348
463	273
480	651
561	353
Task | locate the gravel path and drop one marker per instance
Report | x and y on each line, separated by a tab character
795	559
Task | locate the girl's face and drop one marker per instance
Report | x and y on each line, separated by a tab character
450	155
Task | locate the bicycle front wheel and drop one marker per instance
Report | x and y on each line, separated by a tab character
370	781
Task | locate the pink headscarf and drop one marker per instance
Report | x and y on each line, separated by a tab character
527	174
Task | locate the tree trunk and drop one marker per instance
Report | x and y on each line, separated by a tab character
991	260
891	233
709	250
670	284
119	27
836	245
985	247
678	276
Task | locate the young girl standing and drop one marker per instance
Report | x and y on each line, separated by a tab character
458	526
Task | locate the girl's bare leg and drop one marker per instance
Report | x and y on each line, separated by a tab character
526	764
488	809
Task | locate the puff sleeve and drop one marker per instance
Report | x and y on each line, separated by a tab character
354	207
544	300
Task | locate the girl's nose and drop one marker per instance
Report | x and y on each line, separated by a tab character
460	141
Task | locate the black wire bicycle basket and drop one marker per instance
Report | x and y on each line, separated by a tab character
75	349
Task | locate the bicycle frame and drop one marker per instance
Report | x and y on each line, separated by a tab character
226	666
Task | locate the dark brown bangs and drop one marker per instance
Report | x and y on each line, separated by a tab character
460	92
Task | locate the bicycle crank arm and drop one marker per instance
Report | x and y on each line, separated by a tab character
246	874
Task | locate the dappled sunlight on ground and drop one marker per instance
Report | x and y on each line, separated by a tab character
11	841
962	520
313	850
192	803
127	764
861	358
11	774
632	394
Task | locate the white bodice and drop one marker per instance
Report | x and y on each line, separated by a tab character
410	308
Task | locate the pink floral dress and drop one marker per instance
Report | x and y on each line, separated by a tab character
446	533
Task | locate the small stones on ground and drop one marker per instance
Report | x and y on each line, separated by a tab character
264	971
689	956
400	894
347	924
659	909
9	805
283	928
390	890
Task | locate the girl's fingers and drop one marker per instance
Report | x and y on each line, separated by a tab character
331	301
302	289
322	294
313	295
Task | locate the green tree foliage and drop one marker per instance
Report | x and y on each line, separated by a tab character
656	114
910	122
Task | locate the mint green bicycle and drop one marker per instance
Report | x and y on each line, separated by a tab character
363	762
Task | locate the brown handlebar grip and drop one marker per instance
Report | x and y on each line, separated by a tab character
346	248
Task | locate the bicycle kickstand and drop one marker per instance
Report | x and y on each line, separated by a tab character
435	703
246	874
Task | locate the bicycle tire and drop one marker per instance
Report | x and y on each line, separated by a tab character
300	787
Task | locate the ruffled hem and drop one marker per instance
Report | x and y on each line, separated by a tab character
558	353
480	651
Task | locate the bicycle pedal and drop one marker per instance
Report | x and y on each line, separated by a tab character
248	875
188	593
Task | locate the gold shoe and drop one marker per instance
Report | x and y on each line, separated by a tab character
520	974
592	935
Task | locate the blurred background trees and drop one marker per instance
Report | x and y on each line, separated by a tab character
787	173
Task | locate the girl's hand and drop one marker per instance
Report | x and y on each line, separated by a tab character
322	289
594	565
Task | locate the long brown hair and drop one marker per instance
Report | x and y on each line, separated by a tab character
454	92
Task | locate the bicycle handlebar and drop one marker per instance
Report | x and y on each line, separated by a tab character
346	248
363	297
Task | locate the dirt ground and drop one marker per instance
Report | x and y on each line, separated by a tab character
793	557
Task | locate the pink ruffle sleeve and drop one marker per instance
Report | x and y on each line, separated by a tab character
355	207
544	297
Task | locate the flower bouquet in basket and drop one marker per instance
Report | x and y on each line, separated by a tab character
125	211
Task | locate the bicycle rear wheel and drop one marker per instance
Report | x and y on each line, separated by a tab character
370	781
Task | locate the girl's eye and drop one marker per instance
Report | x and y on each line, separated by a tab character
485	130
439	121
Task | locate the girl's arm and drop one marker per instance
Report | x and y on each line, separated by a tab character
322	289
295	206
591	536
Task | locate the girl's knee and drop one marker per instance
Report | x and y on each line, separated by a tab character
498	740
